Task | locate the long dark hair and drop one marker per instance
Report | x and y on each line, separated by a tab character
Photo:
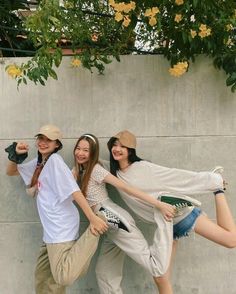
114	164
41	163
83	175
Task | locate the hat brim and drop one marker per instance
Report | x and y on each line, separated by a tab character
112	139
49	136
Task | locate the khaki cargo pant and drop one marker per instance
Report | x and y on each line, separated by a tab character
60	264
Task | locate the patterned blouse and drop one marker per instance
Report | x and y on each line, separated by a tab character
96	191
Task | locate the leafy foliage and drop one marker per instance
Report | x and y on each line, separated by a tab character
12	41
99	30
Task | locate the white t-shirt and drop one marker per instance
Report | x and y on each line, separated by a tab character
96	191
153	179
58	214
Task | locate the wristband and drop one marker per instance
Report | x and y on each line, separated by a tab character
218	192
13	156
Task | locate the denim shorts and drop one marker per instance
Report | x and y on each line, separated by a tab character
184	227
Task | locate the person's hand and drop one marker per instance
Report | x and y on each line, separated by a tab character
22	148
167	210
98	226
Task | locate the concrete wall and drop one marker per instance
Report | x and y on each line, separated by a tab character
186	122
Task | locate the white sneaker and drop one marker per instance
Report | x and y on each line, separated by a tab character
218	170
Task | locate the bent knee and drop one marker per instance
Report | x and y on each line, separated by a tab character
64	280
230	242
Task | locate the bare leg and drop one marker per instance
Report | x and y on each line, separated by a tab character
164	282
224	232
173	254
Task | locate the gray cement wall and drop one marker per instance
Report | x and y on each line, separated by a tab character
186	122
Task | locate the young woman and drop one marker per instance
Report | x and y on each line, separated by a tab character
63	257
123	232
152	178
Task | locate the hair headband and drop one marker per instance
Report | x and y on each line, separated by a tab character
91	137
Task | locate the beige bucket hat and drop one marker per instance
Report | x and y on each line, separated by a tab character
126	138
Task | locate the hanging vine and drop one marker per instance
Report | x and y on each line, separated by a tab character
99	31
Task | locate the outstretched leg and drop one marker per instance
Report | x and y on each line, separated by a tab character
224	232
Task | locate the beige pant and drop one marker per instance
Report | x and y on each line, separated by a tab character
155	258
44	281
60	264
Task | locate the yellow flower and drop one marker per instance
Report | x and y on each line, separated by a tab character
208	32
229	27
126	21
14	71
112	3
179	2
133	5
76	62
148	12
229	42
118	16
151	12
178	18
193	33
152	21
129	7
202	34
178	69
120	7
155	10
204	31
202	27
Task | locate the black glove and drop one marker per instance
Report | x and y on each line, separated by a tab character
13	156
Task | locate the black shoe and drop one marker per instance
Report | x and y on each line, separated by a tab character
114	222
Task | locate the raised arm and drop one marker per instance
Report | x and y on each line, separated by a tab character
11	169
167	210
16	152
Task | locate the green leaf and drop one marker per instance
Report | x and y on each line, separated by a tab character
42	82
233	88
52	73
195	2
231	79
54	20
24	80
58	58
185	37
